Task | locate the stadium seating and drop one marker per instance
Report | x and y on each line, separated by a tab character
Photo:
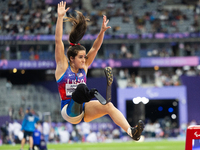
116	11
37	97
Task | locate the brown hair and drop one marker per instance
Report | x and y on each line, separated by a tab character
78	30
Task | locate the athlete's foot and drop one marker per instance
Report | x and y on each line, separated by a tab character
137	130
109	78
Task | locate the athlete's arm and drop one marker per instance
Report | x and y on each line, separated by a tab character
97	43
61	60
23	123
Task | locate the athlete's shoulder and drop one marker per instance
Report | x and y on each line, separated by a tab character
63	75
61	69
85	69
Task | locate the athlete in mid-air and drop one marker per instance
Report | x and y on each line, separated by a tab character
71	78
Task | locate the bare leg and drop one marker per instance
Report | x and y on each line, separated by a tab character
31	142
22	143
94	110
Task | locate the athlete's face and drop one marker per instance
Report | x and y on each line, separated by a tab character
80	59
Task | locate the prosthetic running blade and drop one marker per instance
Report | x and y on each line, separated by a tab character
109	78
100	98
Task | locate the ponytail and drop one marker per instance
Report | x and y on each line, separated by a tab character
78	30
79	27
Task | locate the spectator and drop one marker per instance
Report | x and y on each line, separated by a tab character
76	136
116	133
179	72
158	80
5	133
193	122
191	72
36	56
46	130
124	51
188	50
8	85
39	126
138	81
21	113
31	51
11	112
85	127
28	126
175	79
64	134
92	137
36	139
16	131
52	135
122	74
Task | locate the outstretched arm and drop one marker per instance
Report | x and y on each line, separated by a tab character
59	46
97	43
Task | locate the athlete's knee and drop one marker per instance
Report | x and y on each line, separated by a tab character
83	94
109	106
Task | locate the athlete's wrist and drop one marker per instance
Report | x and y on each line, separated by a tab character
60	17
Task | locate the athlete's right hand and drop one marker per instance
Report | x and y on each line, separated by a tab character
61	9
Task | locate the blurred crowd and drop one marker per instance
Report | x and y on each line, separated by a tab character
149	16
63	132
169	16
126	78
37	17
67	133
165	128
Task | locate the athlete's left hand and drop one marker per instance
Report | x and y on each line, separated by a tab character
104	26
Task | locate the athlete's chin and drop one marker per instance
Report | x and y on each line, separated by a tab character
82	66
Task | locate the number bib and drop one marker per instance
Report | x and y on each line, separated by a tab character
70	88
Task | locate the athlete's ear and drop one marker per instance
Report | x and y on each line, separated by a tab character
71	59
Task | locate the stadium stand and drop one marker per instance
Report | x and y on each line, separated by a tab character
24	96
126	16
